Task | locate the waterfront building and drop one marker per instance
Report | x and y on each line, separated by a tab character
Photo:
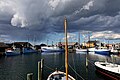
3	46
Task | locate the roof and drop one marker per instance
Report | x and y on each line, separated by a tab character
93	41
69	43
21	43
2	44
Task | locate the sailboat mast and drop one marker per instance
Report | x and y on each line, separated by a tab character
66	48
79	38
89	38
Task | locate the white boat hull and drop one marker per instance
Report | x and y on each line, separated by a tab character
28	50
109	68
81	50
91	49
51	49
58	75
11	52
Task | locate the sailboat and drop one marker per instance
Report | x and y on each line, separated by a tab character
58	75
79	50
13	51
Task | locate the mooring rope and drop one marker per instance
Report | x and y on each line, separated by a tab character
77	73
74	65
60	68
49	68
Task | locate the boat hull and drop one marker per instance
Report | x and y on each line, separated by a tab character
102	52
110	74
91	49
28	50
58	75
51	49
81	50
11	53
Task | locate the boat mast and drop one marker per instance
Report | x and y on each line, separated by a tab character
79	39
89	39
66	48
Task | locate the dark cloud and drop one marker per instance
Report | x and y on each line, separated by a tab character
20	19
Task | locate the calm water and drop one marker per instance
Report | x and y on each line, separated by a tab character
17	67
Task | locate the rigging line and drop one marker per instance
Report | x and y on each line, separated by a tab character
61	67
77	73
20	76
74	65
90	61
49	68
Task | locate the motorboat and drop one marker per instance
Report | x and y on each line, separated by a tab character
12	52
27	50
109	69
51	49
102	51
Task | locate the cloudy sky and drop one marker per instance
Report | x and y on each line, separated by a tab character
39	20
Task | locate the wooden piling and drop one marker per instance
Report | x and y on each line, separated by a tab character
86	61
30	76
40	68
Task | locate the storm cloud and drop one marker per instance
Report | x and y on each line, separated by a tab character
22	19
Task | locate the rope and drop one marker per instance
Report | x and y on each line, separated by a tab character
74	66
77	73
21	76
49	68
61	68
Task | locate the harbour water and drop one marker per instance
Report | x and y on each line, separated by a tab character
17	67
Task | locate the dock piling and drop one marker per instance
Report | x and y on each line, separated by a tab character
40	68
86	61
30	76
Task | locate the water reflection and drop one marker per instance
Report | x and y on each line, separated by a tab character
17	67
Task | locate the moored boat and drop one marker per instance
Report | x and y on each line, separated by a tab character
12	52
27	50
114	51
81	50
102	51
108	69
51	49
58	75
91	49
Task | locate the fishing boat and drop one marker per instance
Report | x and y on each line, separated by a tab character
114	51
12	52
51	49
91	49
108	69
27	50
81	50
58	75
102	51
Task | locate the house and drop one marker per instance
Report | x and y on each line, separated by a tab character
71	45
92	43
3	46
110	46
22	44
117	46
